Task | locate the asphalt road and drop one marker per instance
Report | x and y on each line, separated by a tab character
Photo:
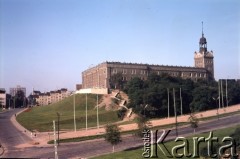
10	137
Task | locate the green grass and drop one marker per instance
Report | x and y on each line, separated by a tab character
78	139
41	118
137	153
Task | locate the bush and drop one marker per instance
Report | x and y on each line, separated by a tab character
121	113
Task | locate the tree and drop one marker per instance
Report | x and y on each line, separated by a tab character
20	99
193	120
121	113
233	93
142	123
112	135
202	98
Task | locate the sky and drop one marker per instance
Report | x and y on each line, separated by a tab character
47	44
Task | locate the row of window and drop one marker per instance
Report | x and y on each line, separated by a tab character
124	71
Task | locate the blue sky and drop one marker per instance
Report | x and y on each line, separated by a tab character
46	44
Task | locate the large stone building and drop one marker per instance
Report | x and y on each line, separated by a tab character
100	75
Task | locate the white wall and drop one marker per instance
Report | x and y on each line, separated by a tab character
93	91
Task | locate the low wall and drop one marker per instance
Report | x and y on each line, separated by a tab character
93	91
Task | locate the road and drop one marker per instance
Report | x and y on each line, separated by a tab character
11	138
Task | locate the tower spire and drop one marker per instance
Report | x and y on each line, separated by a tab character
203	43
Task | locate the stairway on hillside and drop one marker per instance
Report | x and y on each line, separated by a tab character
123	97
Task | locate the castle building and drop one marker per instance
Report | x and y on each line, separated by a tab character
101	75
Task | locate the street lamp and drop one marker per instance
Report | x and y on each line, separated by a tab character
144	109
58	115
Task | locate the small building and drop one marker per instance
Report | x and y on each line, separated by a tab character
2	98
51	97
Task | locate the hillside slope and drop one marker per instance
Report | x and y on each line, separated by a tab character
40	118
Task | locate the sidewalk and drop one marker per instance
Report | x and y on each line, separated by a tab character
42	138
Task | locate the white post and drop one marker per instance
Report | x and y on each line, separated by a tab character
226	93
175	111
168	103
222	94
174	103
181	100
55	140
86	111
74	113
97	114
219	95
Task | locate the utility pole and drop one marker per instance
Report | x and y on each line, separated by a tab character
14	102
97	114
58	115
222	94
226	94
219	95
217	106
74	113
175	112
86	111
55	141
181	101
168	103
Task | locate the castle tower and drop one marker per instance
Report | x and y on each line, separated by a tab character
204	58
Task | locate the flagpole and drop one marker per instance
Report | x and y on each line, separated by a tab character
181	100
168	103
97	114
175	112
226	93
86	111
222	94
219	95
74	112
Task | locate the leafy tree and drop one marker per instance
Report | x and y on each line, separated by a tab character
193	120
112	135
20	99
135	91
121	113
233	93
202	98
142	123
196	96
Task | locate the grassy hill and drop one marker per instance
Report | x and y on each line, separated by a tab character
40	118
